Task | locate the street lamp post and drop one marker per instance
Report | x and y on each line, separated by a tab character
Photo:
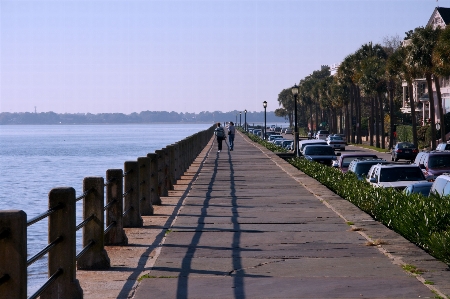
236	120
240	119
294	90
265	125
245	120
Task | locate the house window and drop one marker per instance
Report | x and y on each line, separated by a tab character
421	88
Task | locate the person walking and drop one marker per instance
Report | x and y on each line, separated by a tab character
231	134
220	135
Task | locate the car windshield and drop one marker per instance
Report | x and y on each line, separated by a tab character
363	168
319	150
346	160
439	161
395	174
405	145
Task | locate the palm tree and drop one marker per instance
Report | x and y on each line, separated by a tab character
397	69
420	51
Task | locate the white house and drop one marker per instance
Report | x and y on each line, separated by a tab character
439	18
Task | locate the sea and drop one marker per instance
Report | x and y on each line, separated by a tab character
36	158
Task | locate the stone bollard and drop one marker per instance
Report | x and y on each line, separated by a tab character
96	256
172	165
61	223
13	254
167	178
154	195
162	190
146	206
131	216
114	212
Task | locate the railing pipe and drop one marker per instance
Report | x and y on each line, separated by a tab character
131	201
96	256
62	224
13	254
146	206
114	201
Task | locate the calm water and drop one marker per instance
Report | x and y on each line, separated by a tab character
35	159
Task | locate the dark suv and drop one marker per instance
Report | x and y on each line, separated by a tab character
433	163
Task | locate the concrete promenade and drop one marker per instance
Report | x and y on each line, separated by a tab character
247	224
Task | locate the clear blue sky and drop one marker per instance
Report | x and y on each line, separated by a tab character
183	56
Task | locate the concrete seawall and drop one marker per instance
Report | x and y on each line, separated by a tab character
247	224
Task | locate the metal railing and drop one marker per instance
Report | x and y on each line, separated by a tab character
105	204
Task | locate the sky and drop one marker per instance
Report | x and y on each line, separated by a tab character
125	56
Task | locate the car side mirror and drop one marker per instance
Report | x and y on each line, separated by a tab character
422	166
373	180
338	154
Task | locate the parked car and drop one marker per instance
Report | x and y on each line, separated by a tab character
443	146
336	142
322	134
345	159
288	144
303	143
278	130
416	188
441	186
323	154
288	131
361	166
396	176
404	150
273	137
433	163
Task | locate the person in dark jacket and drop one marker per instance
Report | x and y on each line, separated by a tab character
220	135
231	134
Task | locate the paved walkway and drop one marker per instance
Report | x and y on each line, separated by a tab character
246	224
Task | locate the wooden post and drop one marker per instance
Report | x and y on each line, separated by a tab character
132	216
146	206
154	195
162	190
13	254
62	224
96	256
114	213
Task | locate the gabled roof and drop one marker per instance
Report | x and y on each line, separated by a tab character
443	12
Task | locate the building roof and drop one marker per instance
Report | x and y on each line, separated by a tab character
440	17
445	14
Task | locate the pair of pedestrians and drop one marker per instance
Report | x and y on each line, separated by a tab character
220	135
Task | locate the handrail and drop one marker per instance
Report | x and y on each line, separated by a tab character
85	249
83	223
47	284
143	181
44	251
45	214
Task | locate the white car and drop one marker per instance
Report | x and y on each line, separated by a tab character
396	176
322	134
336	142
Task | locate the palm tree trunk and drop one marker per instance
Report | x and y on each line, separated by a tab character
413	113
441	110
391	114
359	118
383	139
352	101
372	104
377	121
432	111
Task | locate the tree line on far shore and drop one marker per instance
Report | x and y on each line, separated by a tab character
52	118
